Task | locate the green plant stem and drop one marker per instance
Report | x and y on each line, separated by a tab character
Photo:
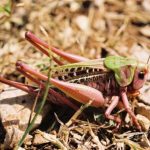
38	112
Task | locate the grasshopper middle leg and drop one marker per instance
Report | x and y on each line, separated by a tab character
115	100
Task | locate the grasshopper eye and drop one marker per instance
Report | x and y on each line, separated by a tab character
141	75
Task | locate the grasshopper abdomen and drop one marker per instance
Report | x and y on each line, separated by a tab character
102	80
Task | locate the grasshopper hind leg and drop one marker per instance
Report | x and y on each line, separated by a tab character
44	47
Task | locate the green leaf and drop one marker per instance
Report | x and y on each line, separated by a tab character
111	123
1	9
6	8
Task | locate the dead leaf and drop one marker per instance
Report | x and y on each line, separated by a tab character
143	121
143	110
145	31
83	23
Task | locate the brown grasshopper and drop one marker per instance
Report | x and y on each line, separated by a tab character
104	81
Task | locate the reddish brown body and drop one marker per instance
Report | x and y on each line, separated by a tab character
83	82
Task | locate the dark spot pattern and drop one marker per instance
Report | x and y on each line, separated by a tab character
72	69
70	74
93	77
60	77
66	69
79	68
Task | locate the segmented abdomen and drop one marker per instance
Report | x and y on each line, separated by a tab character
97	78
105	83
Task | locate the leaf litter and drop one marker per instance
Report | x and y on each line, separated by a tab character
92	29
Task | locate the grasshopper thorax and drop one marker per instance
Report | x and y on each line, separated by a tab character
128	72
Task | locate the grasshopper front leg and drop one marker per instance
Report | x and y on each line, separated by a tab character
128	108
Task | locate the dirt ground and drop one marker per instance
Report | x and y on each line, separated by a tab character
89	28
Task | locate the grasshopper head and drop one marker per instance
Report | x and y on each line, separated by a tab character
140	76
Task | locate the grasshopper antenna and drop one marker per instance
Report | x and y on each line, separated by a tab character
148	59
147	63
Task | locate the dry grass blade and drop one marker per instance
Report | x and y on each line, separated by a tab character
34	105
96	139
74	117
52	139
133	145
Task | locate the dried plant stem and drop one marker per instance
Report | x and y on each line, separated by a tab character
34	105
95	138
78	113
133	145
53	139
